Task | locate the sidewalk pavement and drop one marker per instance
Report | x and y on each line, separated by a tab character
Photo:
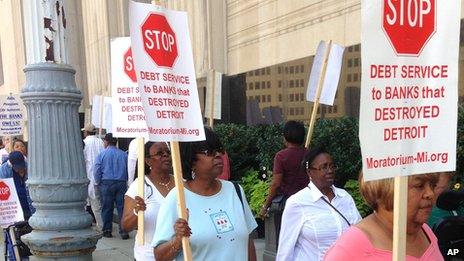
116	249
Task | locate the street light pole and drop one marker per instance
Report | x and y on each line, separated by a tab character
57	179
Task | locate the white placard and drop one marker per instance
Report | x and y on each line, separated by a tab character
127	109
332	75
10	207
107	114
409	94
163	58
217	94
12	115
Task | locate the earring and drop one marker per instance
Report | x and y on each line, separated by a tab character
193	173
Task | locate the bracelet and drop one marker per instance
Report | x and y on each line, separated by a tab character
135	213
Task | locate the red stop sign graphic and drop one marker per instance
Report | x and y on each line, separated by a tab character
159	40
129	65
409	24
4	191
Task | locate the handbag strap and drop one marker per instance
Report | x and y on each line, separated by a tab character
326	201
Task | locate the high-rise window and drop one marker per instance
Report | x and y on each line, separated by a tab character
301	83
302	68
356	62
263	85
350	62
280	97
279	70
292	97
250	86
297	69
291	69
280	84
292	84
263	98
269	98
301	96
268	83
257	85
268	71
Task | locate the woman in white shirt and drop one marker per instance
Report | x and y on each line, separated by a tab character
317	215
158	183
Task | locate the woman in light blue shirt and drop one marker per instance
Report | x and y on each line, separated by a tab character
219	222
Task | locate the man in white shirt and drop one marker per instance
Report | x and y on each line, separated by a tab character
92	147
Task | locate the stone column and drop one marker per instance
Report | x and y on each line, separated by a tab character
57	179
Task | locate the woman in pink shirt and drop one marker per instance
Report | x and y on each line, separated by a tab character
372	238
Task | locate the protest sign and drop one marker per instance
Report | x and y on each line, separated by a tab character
12	115
408	114
213	95
166	77
332	74
128	118
101	111
10	208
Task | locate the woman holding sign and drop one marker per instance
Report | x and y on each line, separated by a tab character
158	183
220	220
372	238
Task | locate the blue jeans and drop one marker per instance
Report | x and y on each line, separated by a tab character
111	192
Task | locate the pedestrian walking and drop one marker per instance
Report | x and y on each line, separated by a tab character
111	179
92	147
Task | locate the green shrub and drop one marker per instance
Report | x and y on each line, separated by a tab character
352	187
255	190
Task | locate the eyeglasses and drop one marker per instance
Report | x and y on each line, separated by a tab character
210	152
325	168
160	154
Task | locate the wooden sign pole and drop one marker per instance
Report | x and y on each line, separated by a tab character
181	208
320	84
399	218
141	189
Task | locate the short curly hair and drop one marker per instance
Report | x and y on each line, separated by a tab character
188	151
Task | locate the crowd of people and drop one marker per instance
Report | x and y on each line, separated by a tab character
314	219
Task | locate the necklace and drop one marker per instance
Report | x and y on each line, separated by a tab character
166	185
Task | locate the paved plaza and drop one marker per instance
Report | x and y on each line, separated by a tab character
116	249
